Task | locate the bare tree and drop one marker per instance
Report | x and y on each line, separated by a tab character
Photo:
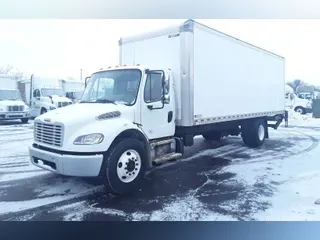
296	83
6	70
11	71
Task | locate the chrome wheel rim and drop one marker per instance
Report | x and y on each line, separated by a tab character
261	132
128	166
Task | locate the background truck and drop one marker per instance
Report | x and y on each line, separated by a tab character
306	92
73	89
43	94
292	101
11	105
133	117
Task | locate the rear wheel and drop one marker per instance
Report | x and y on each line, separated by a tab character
254	133
123	166
212	136
24	120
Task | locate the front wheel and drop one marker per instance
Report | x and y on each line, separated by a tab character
123	166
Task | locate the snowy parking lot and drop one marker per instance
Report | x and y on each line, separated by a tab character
215	181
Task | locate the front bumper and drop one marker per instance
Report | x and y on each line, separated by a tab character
14	115
68	165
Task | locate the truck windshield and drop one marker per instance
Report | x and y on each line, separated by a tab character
52	91
118	86
10	95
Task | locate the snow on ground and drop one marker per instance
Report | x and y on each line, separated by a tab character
224	182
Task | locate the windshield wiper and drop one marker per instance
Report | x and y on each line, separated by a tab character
103	100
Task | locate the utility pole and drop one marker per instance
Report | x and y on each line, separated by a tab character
81	75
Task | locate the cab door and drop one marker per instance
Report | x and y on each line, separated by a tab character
157	105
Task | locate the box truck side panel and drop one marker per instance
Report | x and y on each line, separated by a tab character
8	82
157	53
45	82
232	78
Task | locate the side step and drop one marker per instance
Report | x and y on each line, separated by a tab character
159	143
167	157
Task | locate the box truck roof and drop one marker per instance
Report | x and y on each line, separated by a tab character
188	26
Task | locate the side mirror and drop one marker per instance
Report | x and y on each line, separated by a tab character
165	89
86	80
166	99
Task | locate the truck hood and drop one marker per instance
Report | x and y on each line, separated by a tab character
11	103
56	98
82	113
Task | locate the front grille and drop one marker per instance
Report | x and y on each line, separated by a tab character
15	108
62	104
51	134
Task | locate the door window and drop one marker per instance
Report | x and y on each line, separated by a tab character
153	88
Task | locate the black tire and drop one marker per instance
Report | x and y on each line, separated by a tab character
250	133
24	120
110	164
43	111
212	136
301	110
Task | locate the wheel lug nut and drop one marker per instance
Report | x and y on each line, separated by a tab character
136	169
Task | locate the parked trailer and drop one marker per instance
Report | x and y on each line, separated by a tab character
11	105
43	94
135	117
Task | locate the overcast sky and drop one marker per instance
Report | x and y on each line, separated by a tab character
60	48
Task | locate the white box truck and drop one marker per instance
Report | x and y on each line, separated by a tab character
73	89
11	105
43	94
192	80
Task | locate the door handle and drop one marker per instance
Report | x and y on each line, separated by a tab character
150	107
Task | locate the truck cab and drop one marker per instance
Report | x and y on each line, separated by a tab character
74	95
48	98
12	107
11	104
299	105
131	105
43	94
73	89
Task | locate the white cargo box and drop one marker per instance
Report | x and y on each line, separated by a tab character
217	77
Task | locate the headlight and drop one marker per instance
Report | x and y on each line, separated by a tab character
26	108
52	107
90	139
